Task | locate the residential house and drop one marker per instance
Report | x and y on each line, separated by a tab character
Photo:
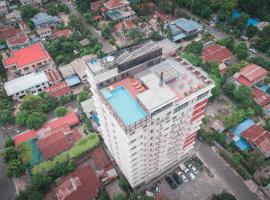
30	84
95	6
54	141
3	7
217	53
122	31
81	184
44	32
35	3
53	75
8	32
250	75
117	10
24	27
20	64
183	29
260	97
42	19
60	33
258	138
20	40
70	119
75	69
58	89
14	18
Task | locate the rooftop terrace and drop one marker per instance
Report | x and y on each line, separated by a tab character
153	88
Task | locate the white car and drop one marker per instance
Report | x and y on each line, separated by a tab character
193	169
190	174
252	50
183	177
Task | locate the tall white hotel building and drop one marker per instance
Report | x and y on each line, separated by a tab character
150	108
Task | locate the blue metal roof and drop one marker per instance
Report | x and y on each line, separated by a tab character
43	18
185	24
72	80
178	37
243	126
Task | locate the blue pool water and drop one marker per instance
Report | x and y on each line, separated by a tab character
124	104
242	144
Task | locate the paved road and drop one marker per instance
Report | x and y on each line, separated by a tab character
106	46
225	172
7	188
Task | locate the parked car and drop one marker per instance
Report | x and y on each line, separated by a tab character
177	178
171	183
193	169
155	188
253	50
189	173
183	177
182	167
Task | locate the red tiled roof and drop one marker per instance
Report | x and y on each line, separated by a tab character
65	33
259	138
28	135
53	75
54	142
8	32
161	16
103	9
217	53
100	158
113	4
27	55
96	5
251	74
20	38
70	119
58	89
98	17
81	184
260	97
126	24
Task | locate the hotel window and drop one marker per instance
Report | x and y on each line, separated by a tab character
180	107
202	96
132	141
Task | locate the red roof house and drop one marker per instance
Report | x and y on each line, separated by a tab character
250	74
217	53
115	4
81	184
125	25
260	97
53	75
58	89
61	33
54	141
95	6
8	32
36	57
18	41
258	138
70	119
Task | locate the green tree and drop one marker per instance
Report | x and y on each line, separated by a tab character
60	111
28	11
267	124
6	117
83	95
133	196
223	196
41	181
103	195
21	117
194	47
10	154
241	51
123	183
15	168
9	142
32	103
228	42
119	196
35	120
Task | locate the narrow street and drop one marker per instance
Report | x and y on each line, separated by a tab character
212	160
106	46
7	188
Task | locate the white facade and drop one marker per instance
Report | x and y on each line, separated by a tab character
165	135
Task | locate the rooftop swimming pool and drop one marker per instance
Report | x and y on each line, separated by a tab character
124	104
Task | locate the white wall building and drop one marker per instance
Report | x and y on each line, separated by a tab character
30	84
150	108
